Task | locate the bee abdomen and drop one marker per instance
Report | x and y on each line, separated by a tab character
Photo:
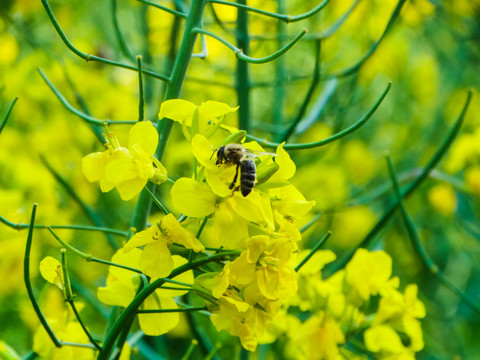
247	177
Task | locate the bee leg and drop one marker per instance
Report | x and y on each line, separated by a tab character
235	178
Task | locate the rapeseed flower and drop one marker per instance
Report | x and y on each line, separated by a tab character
156	260
127	169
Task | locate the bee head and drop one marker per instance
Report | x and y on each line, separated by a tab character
220	155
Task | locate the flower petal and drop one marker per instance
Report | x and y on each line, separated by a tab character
177	110
192	198
144	134
161	323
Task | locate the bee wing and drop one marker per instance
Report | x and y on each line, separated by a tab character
254	153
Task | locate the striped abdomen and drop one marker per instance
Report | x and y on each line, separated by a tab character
247	176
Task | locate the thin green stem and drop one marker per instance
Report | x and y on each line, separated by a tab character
89	57
371	51
141	101
132	308
313	85
156	201
410	188
85	330
118	33
7	114
92	215
21	226
164	8
202	225
28	284
239	53
330	139
89	119
89	257
337	24
313	251
311	222
281	17
189	351
159	311
420	249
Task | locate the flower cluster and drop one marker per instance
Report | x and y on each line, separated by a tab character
340	308
253	292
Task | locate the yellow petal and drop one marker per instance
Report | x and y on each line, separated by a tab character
144	134
141	238
383	338
51	270
192	198
185	277
287	166
93	165
211	110
131	188
119	293
120	170
177	110
203	151
156	260
158	324
176	233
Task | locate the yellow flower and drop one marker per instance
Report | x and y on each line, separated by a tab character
128	170
266	262
204	119
319	338
121	288
369	273
156	260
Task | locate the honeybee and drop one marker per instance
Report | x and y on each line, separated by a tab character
243	159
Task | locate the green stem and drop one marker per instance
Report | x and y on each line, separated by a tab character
311	222
92	215
410	188
202	225
239	52
28	284
159	311
242	77
121	41
313	251
156	201
89	57
89	257
131	309
313	85
173	91
282	17
420	249
278	90
89	119
190	349
164	8
330	139
85	330
356	67
7	114
20	226
141	102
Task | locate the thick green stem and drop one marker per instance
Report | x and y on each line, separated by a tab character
173	91
242	75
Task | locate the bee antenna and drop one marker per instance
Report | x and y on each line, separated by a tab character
214	151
